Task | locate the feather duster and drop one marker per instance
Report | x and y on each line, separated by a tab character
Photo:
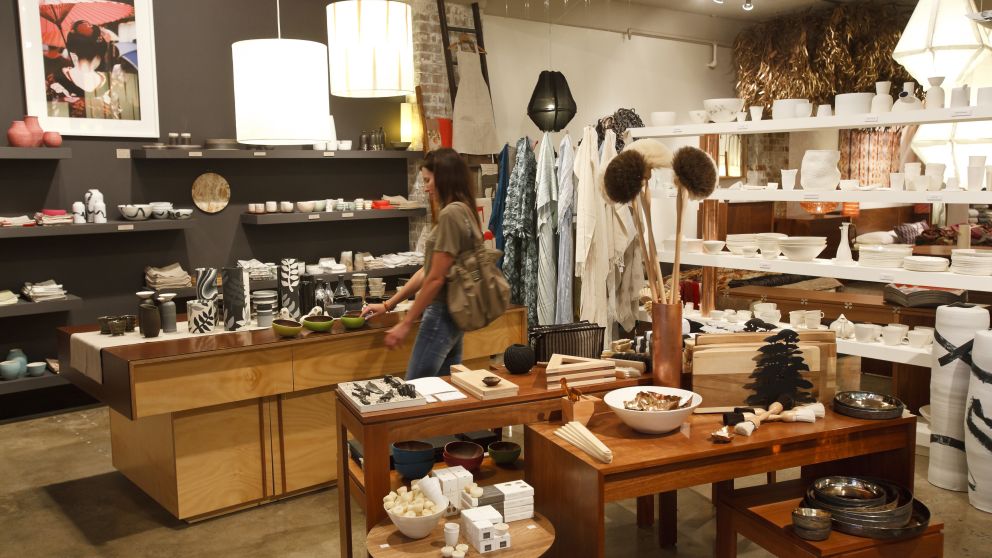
695	171
626	173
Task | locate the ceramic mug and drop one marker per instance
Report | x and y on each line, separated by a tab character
756	113
913	170
866	333
771	316
743	315
919	339
271	206
764	307
716	315
892	335
789	178
897	180
812	319
824	111
286	206
904	328
797	318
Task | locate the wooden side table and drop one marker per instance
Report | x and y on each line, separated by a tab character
530	538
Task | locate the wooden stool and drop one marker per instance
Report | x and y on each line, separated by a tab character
764	515
529	538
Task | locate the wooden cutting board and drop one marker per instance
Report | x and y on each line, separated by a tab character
737	360
471	381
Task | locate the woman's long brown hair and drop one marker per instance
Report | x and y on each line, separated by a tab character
452	179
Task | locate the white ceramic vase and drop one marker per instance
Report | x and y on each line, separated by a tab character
819	170
91	198
935	95
978	424
882	101
844	247
949	379
907	98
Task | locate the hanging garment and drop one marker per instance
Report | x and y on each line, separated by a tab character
631	268
474	128
564	314
547	222
591	256
520	231
499	199
614	240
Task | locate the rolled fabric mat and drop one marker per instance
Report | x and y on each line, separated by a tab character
978	424
955	329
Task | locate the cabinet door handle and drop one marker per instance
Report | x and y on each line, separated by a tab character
848	305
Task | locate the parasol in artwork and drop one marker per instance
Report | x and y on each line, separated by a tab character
58	16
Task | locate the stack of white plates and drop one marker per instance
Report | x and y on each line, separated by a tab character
925	263
971	262
888	255
768	244
737	242
802	248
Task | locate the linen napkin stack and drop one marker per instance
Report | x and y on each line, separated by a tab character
7	298
49	219
331	265
172	276
19	221
257	271
400	202
46	290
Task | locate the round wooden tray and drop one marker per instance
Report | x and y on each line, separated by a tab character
529	538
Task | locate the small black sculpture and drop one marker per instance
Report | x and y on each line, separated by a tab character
779	371
757	324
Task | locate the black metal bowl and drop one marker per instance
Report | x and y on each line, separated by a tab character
867	405
849	492
918	522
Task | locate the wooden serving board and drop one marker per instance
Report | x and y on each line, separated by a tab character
471	381
566	364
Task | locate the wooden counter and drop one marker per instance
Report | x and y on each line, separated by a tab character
211	424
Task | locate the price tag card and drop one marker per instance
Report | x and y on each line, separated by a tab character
886	277
743	128
196	154
935	197
346	215
259	154
313	216
125	227
961	113
328	154
764	266
871	118
123	153
677	130
811	196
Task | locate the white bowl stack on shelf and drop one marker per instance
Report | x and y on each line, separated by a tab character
968	261
887	255
768	244
736	243
925	263
689	245
802	248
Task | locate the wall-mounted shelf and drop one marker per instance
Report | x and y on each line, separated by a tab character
256	284
910	118
97	228
27	308
827	268
263	154
16	153
47	379
327	216
866	196
902	354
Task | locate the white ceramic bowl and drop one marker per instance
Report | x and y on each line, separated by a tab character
740	237
651	422
713	246
851	104
689	245
180	213
419	527
135	212
663	118
698	116
802	253
305	206
723	110
786	108
803	240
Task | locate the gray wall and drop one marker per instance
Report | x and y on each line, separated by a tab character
192	41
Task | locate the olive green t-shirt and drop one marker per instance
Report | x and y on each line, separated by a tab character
452	234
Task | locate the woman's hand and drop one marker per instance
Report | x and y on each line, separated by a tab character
397	334
373	310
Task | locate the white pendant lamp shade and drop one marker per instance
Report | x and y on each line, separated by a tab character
370	48
280	92
940	40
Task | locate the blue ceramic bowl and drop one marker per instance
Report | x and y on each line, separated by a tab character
416	470
10	369
412	451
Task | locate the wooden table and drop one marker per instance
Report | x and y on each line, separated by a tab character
376	431
529	538
215	423
571	488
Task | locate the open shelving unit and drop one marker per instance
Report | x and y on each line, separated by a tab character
96	228
863	196
28	308
259	284
29	383
15	153
328	216
263	154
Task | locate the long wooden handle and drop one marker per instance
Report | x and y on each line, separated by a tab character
677	266
652	272
653	254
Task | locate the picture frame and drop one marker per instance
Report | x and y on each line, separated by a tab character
101	89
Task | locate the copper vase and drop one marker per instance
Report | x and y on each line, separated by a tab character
666	344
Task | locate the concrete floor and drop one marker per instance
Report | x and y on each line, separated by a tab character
60	496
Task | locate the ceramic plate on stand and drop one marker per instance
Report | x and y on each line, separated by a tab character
211	192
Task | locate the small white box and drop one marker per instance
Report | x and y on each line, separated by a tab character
462	476
518	517
515	489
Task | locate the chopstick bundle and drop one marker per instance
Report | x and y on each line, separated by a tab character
580	436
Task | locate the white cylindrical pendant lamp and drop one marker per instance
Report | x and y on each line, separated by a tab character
280	92
370	48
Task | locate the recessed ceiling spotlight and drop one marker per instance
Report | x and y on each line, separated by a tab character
748	5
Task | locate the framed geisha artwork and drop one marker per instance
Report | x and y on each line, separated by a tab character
89	66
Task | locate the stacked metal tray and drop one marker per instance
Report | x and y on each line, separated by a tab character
870	508
868	405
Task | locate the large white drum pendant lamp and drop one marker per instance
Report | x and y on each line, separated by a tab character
940	40
280	91
370	48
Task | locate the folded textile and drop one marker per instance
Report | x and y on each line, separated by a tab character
172	276
46	290
45	219
256	269
7	297
19	221
400	202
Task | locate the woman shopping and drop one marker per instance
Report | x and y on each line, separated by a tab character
439	341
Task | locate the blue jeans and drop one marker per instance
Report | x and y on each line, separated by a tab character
438	344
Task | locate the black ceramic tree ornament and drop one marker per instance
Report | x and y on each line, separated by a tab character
551	104
779	371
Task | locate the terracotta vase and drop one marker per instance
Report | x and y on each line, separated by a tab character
52	139
18	134
35	128
666	344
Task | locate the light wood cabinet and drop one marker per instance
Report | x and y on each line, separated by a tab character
309	439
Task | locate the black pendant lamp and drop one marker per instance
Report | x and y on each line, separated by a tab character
551	105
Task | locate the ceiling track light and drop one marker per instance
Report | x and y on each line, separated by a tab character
748	5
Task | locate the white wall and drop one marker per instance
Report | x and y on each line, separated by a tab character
605	71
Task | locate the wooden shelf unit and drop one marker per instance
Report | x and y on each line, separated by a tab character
35	153
328	216
19	385
263	154
97	228
28	308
